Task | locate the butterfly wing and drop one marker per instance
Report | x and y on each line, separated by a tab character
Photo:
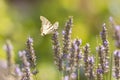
52	28
55	25
45	25
45	21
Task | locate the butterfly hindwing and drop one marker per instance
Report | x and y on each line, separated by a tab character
55	25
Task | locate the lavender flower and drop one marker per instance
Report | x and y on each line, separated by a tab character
89	63
9	50
117	64
91	60
78	51
25	66
103	35
30	54
66	37
22	55
105	41
73	76
102	58
56	48
72	59
117	36
65	56
116	32
105	44
66	78
99	73
86	62
91	74
18	71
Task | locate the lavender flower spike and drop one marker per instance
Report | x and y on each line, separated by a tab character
91	68
117	36
117	64
116	32
105	44
66	36
9	50
30	52
99	73
78	55
56	48
26	66
102	58
86	62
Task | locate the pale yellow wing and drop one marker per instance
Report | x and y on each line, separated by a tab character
45	22
52	28
47	27
55	25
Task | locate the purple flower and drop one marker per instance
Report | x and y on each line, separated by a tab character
63	32
85	60
66	78
106	64
117	53
91	59
99	71
117	28
73	76
65	56
21	53
30	40
105	43
8	46
18	71
80	56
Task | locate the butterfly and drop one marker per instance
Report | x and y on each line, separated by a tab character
47	27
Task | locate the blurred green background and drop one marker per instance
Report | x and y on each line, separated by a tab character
20	19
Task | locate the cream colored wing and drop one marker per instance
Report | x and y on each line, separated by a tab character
55	25
46	31
45	25
52	28
45	22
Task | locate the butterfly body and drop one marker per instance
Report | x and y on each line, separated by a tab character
47	27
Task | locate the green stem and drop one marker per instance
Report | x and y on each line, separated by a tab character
78	74
35	77
111	67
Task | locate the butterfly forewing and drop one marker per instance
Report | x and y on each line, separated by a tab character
45	22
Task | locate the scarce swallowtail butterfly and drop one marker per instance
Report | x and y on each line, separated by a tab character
47	27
